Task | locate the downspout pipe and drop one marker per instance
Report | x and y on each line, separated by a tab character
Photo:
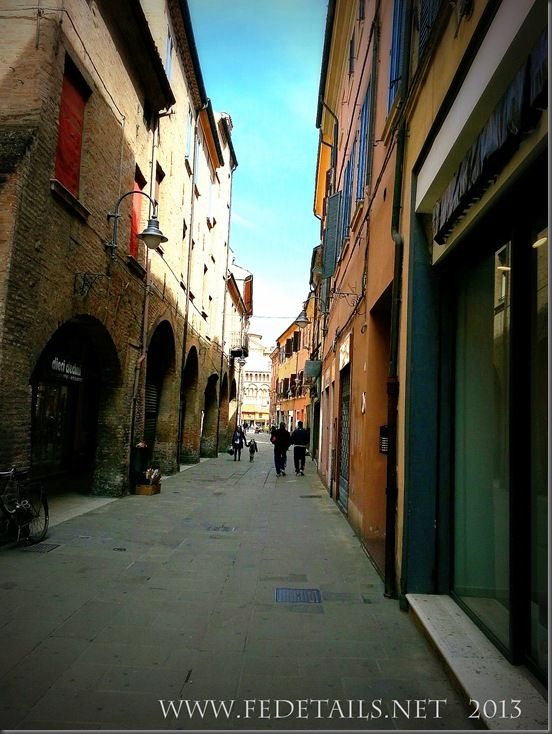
188	275
391	491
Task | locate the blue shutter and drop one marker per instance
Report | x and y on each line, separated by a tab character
363	146
428	13
396	51
330	235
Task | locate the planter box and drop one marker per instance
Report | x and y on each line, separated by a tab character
147	489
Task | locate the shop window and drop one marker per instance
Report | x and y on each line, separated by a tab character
74	94
481	466
538	645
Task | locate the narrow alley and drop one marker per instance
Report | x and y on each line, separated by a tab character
184	596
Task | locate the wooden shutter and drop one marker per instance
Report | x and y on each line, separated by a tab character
289	347
71	122
330	235
296	336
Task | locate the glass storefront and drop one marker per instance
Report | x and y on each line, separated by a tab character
482	488
500	427
539	445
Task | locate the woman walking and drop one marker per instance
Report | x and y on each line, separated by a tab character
238	440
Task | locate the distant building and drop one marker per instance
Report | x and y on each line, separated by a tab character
256	384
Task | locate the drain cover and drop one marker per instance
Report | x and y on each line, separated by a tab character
310	496
298	596
41	547
220	529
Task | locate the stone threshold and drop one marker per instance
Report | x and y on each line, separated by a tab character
479	669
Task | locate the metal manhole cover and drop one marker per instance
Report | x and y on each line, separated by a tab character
41	547
298	596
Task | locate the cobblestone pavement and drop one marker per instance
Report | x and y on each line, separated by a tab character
172	598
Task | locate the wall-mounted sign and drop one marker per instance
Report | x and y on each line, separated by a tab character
344	352
66	369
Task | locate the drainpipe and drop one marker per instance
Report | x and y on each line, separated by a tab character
188	275
224	306
391	490
336	137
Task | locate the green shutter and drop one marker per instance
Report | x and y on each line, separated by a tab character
330	235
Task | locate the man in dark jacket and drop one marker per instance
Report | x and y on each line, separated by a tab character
300	439
280	439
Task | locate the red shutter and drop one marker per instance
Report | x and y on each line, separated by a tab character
135	221
71	119
248	295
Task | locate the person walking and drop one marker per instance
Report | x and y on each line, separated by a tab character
280	439
300	439
238	440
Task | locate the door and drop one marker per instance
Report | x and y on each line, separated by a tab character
344	433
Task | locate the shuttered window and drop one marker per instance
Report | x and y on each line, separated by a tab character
429	10
396	51
74	94
330	235
363	175
296	336
347	197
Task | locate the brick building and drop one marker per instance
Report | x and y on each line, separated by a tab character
104	343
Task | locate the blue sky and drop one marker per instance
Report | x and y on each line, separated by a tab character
261	64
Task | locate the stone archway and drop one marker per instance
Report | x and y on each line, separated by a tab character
191	414
161	398
78	409
232	407
208	446
224	438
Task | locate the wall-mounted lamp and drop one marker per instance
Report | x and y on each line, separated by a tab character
241	361
303	320
151	236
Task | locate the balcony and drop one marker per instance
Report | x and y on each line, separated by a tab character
239	345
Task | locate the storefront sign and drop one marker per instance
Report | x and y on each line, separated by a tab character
67	370
344	352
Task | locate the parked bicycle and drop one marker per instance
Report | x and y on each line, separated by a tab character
24	512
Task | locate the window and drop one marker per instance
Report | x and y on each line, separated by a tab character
347	196
396	51
136	216
428	13
74	93
361	9
168	55
189	133
159	176
352	54
365	145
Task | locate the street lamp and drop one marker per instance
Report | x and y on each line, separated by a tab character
303	320
151	236
241	363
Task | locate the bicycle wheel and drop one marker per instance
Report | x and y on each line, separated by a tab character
34	525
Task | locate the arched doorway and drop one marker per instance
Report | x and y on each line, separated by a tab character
161	398
77	413
208	445
232	408
223	438
191	417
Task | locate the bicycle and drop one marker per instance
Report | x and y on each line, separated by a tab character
24	513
